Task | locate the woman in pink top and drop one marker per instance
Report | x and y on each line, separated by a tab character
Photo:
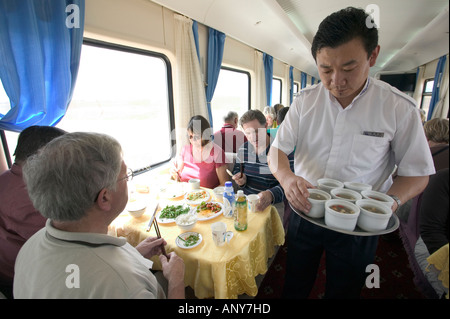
202	158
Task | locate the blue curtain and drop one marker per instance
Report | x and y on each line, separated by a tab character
291	85
268	72
195	31
313	79
216	42
303	79
436	86
40	47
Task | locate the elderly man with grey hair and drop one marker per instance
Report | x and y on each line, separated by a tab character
229	138
79	182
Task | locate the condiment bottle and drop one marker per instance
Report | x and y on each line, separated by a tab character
240	218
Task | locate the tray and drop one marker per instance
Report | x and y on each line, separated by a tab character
393	224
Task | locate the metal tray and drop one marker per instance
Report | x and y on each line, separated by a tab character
393	224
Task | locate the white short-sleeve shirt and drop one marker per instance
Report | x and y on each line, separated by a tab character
381	128
59	264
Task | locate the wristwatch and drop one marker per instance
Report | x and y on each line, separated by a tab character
397	200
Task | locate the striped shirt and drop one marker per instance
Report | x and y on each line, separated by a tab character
259	176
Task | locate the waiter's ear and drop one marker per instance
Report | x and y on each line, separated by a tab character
103	200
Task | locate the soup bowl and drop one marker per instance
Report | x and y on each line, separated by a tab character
341	214
379	197
327	184
374	215
317	198
346	194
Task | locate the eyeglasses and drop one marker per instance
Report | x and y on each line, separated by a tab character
194	137
129	176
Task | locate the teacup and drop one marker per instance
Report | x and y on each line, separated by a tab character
252	200
195	183
220	234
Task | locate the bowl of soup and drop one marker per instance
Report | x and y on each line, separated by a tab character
317	198
345	194
327	184
359	187
341	214
379	197
374	216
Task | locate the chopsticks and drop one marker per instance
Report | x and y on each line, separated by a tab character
158	233
241	167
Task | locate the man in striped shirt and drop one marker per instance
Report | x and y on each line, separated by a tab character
256	177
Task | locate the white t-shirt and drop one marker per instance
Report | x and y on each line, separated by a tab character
59	264
381	128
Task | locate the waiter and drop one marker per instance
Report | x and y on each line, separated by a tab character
349	127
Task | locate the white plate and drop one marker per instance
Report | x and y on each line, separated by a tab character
202	218
180	243
173	190
393	224
204	198
170	220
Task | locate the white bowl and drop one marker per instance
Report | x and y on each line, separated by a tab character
340	220
327	184
370	221
186	221
136	208
379	197
317	205
346	194
218	193
359	187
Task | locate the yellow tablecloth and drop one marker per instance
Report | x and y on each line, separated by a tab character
219	272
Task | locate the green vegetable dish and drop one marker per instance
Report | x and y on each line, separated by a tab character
173	211
191	240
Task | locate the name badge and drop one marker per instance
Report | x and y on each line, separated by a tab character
375	134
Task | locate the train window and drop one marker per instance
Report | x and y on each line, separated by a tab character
276	91
426	95
232	93
296	88
124	92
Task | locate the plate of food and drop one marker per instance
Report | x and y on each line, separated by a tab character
169	213
188	240
208	210
197	196
172	190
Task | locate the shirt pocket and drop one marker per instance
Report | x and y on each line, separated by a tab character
368	152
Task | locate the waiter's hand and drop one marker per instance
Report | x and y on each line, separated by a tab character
296	192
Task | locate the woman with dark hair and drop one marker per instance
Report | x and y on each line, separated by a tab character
201	158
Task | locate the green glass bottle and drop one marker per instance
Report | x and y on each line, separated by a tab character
240	218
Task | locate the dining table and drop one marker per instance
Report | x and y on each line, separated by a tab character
221	272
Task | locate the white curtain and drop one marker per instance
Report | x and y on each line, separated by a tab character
260	99
190	85
441	107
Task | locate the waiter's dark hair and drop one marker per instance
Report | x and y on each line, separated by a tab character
343	26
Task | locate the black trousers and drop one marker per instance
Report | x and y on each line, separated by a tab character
347	257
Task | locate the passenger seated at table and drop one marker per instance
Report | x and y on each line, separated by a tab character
229	138
201	158
79	182
257	177
436	131
19	220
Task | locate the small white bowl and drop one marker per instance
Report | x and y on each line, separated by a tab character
346	194
379	197
341	220
218	193
359	187
186	221
371	221
327	184
136	208
317	204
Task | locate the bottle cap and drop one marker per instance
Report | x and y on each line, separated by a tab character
228	184
240	192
